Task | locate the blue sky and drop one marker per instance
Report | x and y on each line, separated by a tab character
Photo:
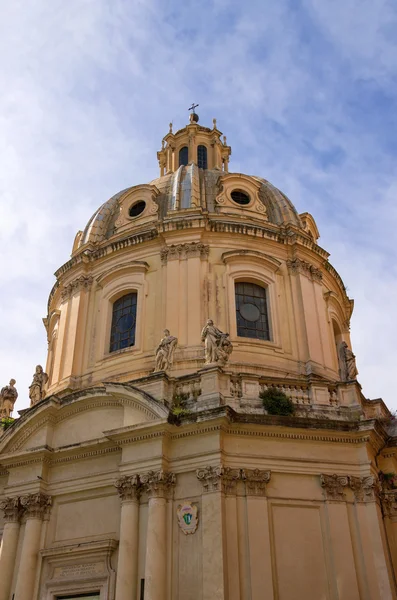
305	92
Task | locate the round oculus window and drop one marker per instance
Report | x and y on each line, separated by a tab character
250	312
137	208
240	198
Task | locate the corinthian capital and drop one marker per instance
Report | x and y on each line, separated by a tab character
334	486
36	506
158	484
256	481
129	487
211	478
11	508
364	488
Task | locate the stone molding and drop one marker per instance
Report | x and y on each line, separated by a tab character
334	486
184	251
36	506
12	509
84	282
158	484
250	482
389	503
302	267
129	488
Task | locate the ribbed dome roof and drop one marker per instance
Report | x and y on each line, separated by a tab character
187	188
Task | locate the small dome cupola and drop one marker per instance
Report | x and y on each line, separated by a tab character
196	145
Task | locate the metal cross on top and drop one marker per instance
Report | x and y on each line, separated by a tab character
193	106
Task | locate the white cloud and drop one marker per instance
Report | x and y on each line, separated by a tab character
88	89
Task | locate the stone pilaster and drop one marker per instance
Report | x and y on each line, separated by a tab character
158	486
11	508
129	488
36	507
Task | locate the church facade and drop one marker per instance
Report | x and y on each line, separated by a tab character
198	431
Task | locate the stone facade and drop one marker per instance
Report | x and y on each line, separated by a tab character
154	471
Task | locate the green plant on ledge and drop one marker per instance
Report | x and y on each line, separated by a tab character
275	402
178	401
5	422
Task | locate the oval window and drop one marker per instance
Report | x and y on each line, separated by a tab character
240	197
137	208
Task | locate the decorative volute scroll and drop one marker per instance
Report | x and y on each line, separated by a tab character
389	503
158	484
298	266
256	481
12	509
251	482
333	486
84	282
184	251
36	506
365	489
129	488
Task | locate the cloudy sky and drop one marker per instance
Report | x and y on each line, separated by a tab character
304	89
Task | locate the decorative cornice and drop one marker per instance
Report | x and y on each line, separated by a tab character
298	266
36	506
184	251
11	508
129	488
334	486
158	484
84	282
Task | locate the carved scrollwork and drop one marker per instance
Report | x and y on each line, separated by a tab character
12	509
365	489
210	477
158	484
389	503
184	251
84	282
36	506
333	486
256	481
296	266
129	488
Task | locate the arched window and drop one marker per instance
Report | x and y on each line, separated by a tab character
202	157
122	334
251	311
184	156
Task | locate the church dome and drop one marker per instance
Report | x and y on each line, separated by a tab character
199	244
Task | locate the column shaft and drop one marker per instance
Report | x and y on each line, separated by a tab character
27	564
156	540
8	551
126	582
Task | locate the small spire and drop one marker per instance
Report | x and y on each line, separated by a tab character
224	140
170	131
214	123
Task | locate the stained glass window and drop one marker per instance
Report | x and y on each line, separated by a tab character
202	157
122	333
251	311
183	156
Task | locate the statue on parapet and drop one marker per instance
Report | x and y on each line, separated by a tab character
165	352
36	388
347	361
218	347
8	396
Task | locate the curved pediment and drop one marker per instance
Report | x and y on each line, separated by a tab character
80	417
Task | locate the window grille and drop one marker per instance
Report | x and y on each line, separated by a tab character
122	334
202	157
252	311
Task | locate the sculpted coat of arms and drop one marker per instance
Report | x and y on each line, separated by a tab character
187	514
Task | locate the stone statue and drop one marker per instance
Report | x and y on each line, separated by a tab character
217	345
8	396
165	352
36	389
347	360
